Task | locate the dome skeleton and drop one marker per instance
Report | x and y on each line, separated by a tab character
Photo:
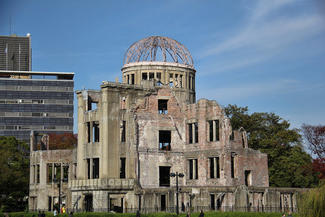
146	50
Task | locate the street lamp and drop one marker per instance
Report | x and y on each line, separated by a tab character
181	175
59	183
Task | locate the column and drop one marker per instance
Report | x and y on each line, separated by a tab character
193	133
214	131
194	168
215	167
91	168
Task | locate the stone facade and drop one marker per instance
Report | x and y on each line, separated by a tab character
132	135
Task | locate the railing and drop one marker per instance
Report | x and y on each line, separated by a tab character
183	209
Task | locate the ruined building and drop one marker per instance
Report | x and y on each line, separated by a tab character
133	135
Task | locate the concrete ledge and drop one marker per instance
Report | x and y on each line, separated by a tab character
101	184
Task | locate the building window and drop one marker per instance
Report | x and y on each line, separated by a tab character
33	173
248	178
214	167
57	171
49	172
232	136
164	140
65	173
95	168
95	132
193	169
49	203
163	202
88	168
132	78
151	76
193	132
162	106
213	130
123	131
144	76
122	168
232	164
164	177
92	105
212	202
158	75
38	174
88	132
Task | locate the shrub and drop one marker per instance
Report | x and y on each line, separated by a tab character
312	203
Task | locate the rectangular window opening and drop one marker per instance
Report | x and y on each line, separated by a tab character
49	203
212	202
248	178
144	76
164	177
95	132
151	76
38	174
88	132
162	106
193	169
88	168
95	168
49	173
158	75
65	173
123	131
210	131
164	140
196	132
232	165
57	171
213	130
163	202
190	134
214	167
132	78
122	168
217	129
232	136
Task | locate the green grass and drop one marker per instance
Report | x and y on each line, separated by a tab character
162	214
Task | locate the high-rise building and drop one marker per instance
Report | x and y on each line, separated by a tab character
15	53
39	101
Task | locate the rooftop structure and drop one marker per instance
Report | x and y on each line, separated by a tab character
158	49
15	53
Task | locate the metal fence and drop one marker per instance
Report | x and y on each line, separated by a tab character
184	209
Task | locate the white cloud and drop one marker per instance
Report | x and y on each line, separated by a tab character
265	34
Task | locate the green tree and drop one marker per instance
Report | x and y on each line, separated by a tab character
289	165
14	174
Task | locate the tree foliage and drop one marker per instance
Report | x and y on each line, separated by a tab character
315	137
289	165
14	167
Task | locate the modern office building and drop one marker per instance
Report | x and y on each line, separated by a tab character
38	101
15	53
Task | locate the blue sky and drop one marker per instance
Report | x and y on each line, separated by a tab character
267	55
